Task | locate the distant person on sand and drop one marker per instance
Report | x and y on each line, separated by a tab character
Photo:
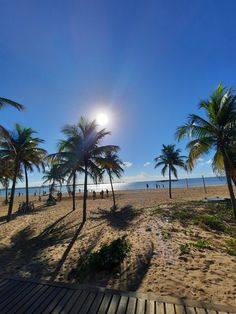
156	186
147	186
94	195
107	192
39	198
101	193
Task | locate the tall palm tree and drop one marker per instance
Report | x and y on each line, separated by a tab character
214	131
21	147
170	158
113	166
53	175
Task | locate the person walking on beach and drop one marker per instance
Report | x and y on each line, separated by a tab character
107	192
147	186
101	193
94	195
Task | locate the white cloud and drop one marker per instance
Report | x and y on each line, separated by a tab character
147	164
127	164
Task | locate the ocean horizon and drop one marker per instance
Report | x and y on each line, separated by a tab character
119	186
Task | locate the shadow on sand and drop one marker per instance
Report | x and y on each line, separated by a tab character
119	219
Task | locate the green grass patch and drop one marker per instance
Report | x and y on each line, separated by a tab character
231	246
157	211
184	248
201	244
211	222
166	234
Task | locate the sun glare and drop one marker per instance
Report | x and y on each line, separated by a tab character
102	119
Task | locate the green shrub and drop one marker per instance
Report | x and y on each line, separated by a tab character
231	246
107	258
166	234
212	222
184	248
201	244
182	215
157	211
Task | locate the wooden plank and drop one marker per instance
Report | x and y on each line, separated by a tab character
105	303
160	309
170	309
22	298
179	309
122	305
211	312
41	299
190	310
52	300
150	307
88	303
11	295
96	303
140	308
131	305
8	289
69	305
79	302
113	304
32	297
62	303
200	310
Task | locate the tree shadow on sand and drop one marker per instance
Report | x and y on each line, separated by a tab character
120	219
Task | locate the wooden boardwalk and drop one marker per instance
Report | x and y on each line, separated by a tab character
29	296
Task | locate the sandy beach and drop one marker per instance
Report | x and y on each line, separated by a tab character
46	244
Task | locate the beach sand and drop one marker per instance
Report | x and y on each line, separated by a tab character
46	244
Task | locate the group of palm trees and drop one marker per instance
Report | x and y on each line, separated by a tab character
216	131
81	152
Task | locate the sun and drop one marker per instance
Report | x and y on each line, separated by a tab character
102	119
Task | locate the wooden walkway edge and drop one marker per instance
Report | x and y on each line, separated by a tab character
18	295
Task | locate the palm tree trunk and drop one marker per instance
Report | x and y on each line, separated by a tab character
74	186
6	194
229	183
113	194
85	192
170	183
26	188
12	191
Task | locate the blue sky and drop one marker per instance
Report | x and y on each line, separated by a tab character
146	63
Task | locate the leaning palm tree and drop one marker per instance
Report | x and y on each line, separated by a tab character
53	175
170	158
215	131
113	166
22	148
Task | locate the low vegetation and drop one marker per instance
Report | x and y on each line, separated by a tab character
201	244
106	259
231	246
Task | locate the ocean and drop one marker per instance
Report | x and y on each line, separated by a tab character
129	185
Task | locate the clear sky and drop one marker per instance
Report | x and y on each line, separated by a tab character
146	63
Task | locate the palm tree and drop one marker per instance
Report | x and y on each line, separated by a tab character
7	102
53	175
170	158
22	148
81	149
6	172
113	166
215	131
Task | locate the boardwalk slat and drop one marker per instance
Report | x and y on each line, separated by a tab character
114	304
170	309
89	301
96	303
122	305
41	299
12	294
160	308
105	303
72	301
211	312
9	287
190	310
62	303
131	305
51	302
150	307
79	302
31	298
200	310
179	309
140	309
19	300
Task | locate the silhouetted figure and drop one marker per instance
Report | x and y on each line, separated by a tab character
156	186
39	198
163	186
18	194
147	186
102	194
107	192
94	195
